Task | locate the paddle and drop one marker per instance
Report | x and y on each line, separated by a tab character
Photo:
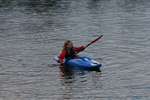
93	41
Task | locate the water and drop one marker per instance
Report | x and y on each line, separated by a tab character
33	31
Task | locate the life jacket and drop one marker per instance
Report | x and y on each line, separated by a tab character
70	53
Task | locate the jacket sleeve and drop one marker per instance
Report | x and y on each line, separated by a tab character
62	56
79	49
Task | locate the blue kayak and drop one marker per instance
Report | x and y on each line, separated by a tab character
84	63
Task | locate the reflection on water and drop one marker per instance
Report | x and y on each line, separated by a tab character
33	31
66	72
77	81
67	80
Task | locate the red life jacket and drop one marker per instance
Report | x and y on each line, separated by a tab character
71	54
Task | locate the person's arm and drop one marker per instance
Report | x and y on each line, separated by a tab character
62	57
79	49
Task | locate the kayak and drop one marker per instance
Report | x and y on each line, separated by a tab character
83	63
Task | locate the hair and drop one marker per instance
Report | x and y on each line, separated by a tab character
65	44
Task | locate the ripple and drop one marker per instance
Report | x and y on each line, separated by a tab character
33	32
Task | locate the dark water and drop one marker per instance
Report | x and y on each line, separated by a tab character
33	31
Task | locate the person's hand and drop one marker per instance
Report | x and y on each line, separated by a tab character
83	48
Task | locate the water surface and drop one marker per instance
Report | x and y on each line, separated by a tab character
32	32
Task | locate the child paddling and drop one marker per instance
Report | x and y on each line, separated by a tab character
69	51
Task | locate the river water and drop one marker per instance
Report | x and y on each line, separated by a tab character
32	32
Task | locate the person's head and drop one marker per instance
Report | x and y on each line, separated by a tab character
67	45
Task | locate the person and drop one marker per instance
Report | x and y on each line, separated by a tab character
69	51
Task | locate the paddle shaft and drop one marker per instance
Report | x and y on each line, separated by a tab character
94	41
